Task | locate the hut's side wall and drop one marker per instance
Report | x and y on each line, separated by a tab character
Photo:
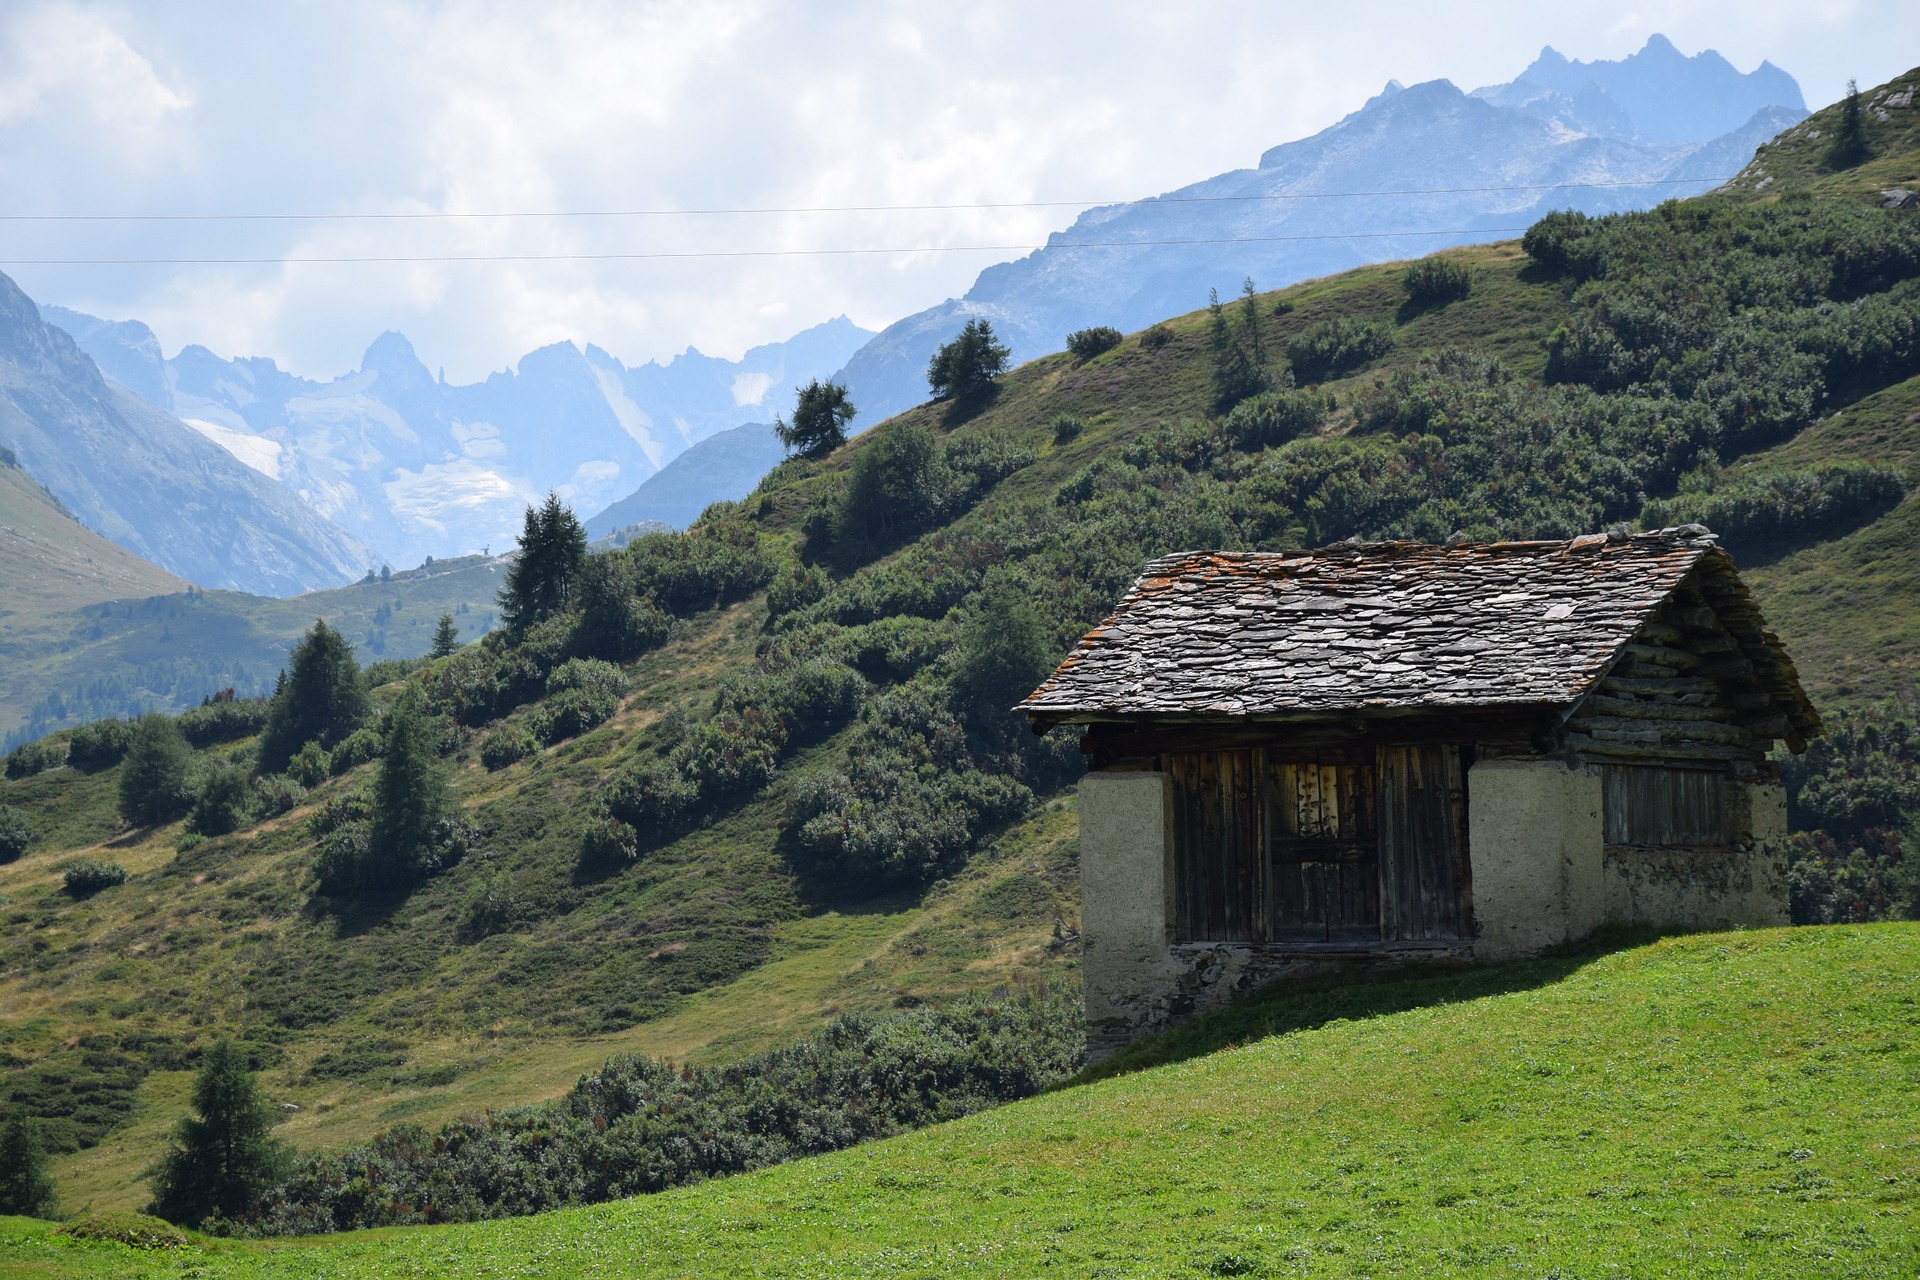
1126	904
1740	883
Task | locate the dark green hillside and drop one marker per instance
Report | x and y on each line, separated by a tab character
762	773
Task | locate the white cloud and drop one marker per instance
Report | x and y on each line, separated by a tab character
472	106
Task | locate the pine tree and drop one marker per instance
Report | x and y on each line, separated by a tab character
223	1155
446	637
1238	353
322	698
25	1188
409	798
1849	145
820	418
542	582
153	779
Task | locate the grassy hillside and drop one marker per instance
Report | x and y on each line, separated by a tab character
52	563
809	798
1802	159
67	662
1716	1105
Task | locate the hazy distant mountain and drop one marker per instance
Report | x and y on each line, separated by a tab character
1600	136
145	481
723	467
416	466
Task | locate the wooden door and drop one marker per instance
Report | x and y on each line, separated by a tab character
1219	880
1423	844
1323	849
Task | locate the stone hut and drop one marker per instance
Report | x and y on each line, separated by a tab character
1380	754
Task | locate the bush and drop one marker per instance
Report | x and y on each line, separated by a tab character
1432	281
87	876
1777	511
490	905
30	758
1275	417
99	745
16	833
277	794
1329	348
311	765
795	587
1085	344
1155	337
505	746
224	803
355	749
638	1126
135	1230
609	842
223	718
1067	428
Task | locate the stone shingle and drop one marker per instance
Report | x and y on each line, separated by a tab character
1385	625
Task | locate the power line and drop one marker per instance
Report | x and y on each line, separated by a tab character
849	208
730	253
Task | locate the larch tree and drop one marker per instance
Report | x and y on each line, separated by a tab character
820	417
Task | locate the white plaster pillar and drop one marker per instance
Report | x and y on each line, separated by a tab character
1535	843
1126	899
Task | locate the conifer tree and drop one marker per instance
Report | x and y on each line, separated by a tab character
25	1188
968	365
1849	145
446	637
409	798
153	779
223	1155
322	698
542	582
820	418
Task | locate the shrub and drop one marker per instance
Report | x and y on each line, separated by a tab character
490	905
1554	241
795	587
609	842
1067	428
87	876
1432	281
99	745
358	747
277	794
135	1230
504	746
223	718
224	803
16	833
638	1126
1775	511
1275	417
30	758
1155	337
1085	344
311	765
1328	348
581	693
339	867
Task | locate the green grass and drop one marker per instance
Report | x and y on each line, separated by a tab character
1799	159
1718	1104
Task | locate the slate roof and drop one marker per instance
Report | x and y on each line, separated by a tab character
1384	627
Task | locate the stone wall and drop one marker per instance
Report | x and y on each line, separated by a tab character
1742	884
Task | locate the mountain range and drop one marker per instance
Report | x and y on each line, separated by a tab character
140	478
418	467
410	466
1413	170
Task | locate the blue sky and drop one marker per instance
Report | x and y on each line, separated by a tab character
384	106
